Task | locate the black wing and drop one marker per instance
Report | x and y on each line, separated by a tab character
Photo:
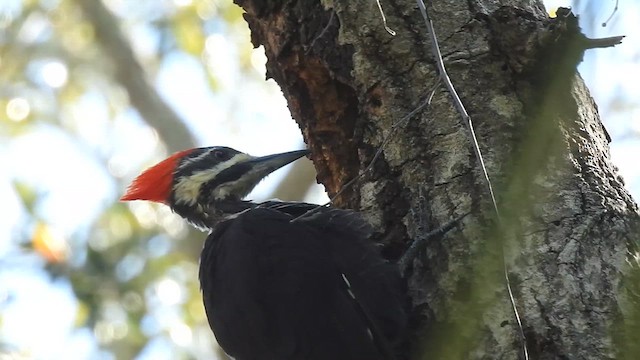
276	289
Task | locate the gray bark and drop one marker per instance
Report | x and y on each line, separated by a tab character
568	224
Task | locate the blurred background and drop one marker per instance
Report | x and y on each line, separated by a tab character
92	93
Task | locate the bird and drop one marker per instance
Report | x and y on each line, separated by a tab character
280	280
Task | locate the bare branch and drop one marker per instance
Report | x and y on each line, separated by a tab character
130	74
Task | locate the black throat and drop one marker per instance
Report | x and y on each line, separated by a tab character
207	217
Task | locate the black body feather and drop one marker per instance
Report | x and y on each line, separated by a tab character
276	289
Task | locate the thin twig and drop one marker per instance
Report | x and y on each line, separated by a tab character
467	121
615	9
324	30
385	141
456	100
421	241
384	20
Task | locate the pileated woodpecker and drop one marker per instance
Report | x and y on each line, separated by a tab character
277	285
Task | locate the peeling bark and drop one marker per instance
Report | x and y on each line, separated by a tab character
568	223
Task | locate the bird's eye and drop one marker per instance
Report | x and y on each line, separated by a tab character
220	154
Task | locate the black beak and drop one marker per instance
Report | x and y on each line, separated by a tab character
264	165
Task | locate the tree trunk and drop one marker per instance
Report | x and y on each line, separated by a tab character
568	226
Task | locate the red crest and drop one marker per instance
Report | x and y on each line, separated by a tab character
154	184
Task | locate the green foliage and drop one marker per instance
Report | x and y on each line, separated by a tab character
133	268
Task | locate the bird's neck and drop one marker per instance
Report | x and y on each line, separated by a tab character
228	208
207	217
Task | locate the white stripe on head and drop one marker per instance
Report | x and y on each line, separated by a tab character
190	160
187	188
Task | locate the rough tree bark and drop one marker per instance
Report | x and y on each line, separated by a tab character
569	227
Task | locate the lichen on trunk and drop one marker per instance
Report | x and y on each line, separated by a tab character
568	223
